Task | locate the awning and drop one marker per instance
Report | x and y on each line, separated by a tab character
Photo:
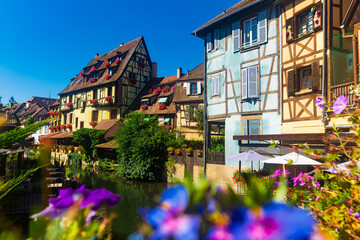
144	99
166	120
163	100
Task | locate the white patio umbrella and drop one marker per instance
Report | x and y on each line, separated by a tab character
342	167
247	156
292	158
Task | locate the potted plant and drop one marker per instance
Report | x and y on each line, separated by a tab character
57	100
157	90
56	113
173	88
70	148
108	98
165	89
107	76
93	80
82	73
62	127
199	152
188	151
93	123
93	101
171	150
63	148
162	106
92	69
144	107
168	127
69	104
117	61
107	64
69	126
178	151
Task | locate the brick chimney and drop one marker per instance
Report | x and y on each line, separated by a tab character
96	54
179	72
154	70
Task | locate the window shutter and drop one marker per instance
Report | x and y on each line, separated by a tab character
253	82
187	115
315	72
254	128
262	25
291	83
236	35
208	42
245	130
216	39
198	87
318	25
216	86
187	88
244	79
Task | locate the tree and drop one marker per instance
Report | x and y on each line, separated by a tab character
12	100
29	120
88	138
142	151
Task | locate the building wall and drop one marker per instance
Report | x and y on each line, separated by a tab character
187	128
228	65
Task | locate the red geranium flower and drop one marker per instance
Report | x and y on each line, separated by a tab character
117	61
92	69
69	104
107	76
107	64
108	98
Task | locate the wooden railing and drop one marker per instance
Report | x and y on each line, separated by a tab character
343	89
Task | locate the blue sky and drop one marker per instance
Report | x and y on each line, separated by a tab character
45	43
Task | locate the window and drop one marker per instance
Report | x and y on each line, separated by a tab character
251	127
213	40
254	31
70	118
303	79
65	118
145	79
109	91
215	86
111	71
305	23
190	113
95	96
81	124
193	88
132	75
95	75
78	103
250	82
95	115
113	113
145	101
76	122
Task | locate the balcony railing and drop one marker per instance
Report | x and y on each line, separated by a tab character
343	89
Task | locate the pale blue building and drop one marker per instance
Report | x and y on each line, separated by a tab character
242	55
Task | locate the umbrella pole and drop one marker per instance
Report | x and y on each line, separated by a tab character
284	170
252	170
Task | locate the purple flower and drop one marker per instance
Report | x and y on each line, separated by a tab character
59	205
316	184
274	221
219	233
276	173
357	216
299	180
340	104
320	102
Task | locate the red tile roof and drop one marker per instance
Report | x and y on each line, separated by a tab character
98	62
106	124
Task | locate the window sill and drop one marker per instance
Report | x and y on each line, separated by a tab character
299	38
249	48
304	92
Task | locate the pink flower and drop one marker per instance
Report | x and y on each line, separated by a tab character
320	102
107	64
92	69
340	104
276	173
117	61
107	76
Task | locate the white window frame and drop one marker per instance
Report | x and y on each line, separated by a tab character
213	92
252	43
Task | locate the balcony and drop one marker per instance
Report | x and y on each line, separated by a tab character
342	89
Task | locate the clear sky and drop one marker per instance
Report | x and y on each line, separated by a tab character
44	43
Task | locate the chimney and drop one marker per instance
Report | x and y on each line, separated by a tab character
121	44
179	72
154	70
96	54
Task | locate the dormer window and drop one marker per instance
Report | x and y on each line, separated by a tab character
95	75
111	71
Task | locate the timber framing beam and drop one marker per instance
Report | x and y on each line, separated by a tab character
301	137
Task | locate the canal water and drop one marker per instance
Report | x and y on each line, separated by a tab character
134	195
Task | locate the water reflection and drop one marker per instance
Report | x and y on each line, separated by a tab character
133	195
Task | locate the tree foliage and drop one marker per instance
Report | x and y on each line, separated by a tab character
7	139
142	151
88	138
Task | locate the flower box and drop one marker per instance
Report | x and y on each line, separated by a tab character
165	89
70	148
107	64
178	151
56	128
82	73
69	104
93	80
188	151
56	113
171	150
162	106
117	61
133	82
173	88
62	126
157	90
107	76
69	126
93	101
144	107
108	98
58	100
93	123
92	69
169	127
199	153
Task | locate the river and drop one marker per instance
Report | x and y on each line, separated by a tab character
134	195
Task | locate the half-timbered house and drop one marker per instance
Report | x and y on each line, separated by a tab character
188	99
242	69
106	86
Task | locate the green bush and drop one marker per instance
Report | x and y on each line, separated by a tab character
142	151
217	144
88	138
